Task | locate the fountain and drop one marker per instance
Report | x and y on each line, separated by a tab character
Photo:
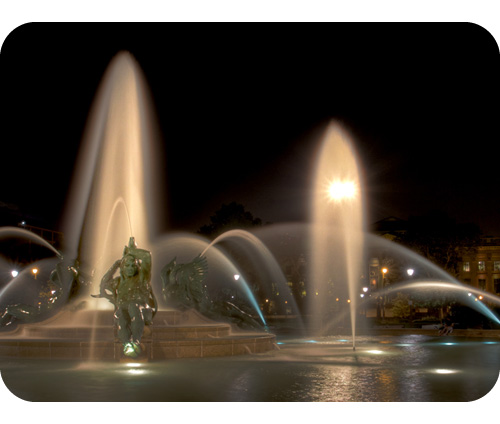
113	200
106	210
337	203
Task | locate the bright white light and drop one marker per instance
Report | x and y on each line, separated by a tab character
443	371
340	190
34	271
410	271
361	295
14	273
375	352
236	277
365	289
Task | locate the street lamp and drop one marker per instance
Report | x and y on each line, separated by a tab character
410	272
384	271
14	273
35	272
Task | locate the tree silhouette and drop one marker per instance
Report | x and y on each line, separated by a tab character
229	217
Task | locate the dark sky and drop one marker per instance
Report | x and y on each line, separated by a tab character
241	107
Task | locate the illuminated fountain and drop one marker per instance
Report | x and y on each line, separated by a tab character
337	219
114	198
104	210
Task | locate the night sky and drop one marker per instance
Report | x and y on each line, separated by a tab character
241	108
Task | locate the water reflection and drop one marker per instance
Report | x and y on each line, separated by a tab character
402	369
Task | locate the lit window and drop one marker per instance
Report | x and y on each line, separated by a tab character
481	266
467	266
496	266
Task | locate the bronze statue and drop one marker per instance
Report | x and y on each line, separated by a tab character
132	296
183	288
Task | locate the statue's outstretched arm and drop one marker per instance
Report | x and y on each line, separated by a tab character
108	278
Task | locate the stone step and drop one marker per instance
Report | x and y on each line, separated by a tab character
153	350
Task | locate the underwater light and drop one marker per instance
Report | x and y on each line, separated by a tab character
135	371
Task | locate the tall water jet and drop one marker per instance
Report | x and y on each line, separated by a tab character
337	234
109	201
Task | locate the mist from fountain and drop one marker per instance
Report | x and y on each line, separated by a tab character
111	197
337	203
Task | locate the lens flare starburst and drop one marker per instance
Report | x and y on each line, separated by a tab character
342	190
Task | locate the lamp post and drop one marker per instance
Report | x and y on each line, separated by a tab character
384	272
410	272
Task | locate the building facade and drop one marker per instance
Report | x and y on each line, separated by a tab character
481	268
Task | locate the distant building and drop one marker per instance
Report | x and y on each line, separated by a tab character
481	268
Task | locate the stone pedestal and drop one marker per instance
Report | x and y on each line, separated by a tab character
90	335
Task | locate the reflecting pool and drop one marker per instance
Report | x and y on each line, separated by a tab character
412	368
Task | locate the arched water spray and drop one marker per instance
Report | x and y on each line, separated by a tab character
455	286
119	202
337	203
272	268
437	277
21	232
185	247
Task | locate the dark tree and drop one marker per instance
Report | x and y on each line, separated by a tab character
229	217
